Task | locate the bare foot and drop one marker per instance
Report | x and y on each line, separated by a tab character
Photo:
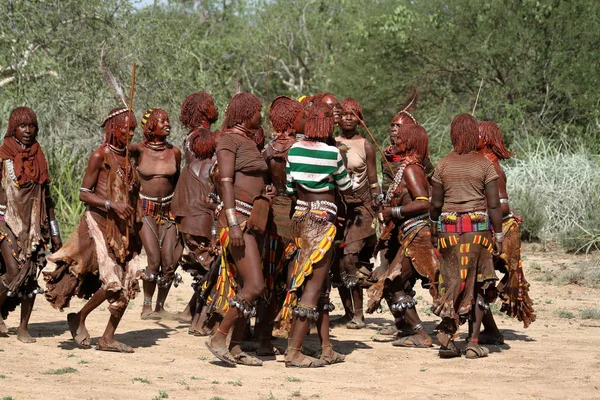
147	313
184	317
24	336
78	330
3	328
163	314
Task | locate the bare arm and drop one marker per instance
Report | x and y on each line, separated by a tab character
494	211
416	183
90	180
226	161
502	189
435	209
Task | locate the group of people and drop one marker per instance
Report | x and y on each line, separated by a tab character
267	229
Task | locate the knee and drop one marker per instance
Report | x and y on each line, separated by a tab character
153	259
253	289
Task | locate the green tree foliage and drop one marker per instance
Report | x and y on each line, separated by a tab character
537	59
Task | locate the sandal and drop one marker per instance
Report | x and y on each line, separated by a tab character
115	346
353	324
474	350
332	359
245	359
307	362
388	330
222	353
448	348
414	341
81	338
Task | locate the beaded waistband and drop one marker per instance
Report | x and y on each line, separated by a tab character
166	199
243	208
319	205
451	222
413	222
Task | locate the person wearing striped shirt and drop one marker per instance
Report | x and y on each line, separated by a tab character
314	171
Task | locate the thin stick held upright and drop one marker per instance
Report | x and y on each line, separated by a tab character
130	108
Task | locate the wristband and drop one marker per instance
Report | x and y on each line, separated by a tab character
374	185
499	237
54	230
231	217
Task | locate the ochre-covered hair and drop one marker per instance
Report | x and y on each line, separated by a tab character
203	143
119	118
240	109
283	112
416	140
350	105
491	134
149	121
194	109
319	122
18	116
464	133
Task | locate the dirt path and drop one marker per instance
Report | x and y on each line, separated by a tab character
556	358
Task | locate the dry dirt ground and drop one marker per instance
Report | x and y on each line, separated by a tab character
556	358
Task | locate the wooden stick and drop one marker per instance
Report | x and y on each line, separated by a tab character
375	143
477	98
130	114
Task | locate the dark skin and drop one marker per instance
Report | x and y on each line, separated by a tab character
495	213
96	178
160	173
349	124
414	186
315	284
25	133
243	247
334	103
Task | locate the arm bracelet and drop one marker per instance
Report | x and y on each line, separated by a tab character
499	237
227	180
374	185
54	230
85	190
397	212
231	217
504	200
107	205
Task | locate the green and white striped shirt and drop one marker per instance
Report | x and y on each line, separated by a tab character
316	167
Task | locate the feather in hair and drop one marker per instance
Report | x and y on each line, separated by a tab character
110	79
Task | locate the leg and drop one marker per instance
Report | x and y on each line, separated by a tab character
480	308
352	282
148	234
327	353
77	320
108	342
12	270
169	265
23	331
310	297
247	262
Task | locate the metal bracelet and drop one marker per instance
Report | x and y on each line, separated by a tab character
504	200
227	180
231	217
397	212
107	205
54	230
85	190
499	237
374	185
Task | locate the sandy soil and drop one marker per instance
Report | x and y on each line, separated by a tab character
556	358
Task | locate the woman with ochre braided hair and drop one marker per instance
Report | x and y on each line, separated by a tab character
27	220
465	200
513	289
359	230
158	164
242	223
314	171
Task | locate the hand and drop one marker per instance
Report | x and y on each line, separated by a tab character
236	236
270	191
497	248
122	210
210	204
387	214
56	243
